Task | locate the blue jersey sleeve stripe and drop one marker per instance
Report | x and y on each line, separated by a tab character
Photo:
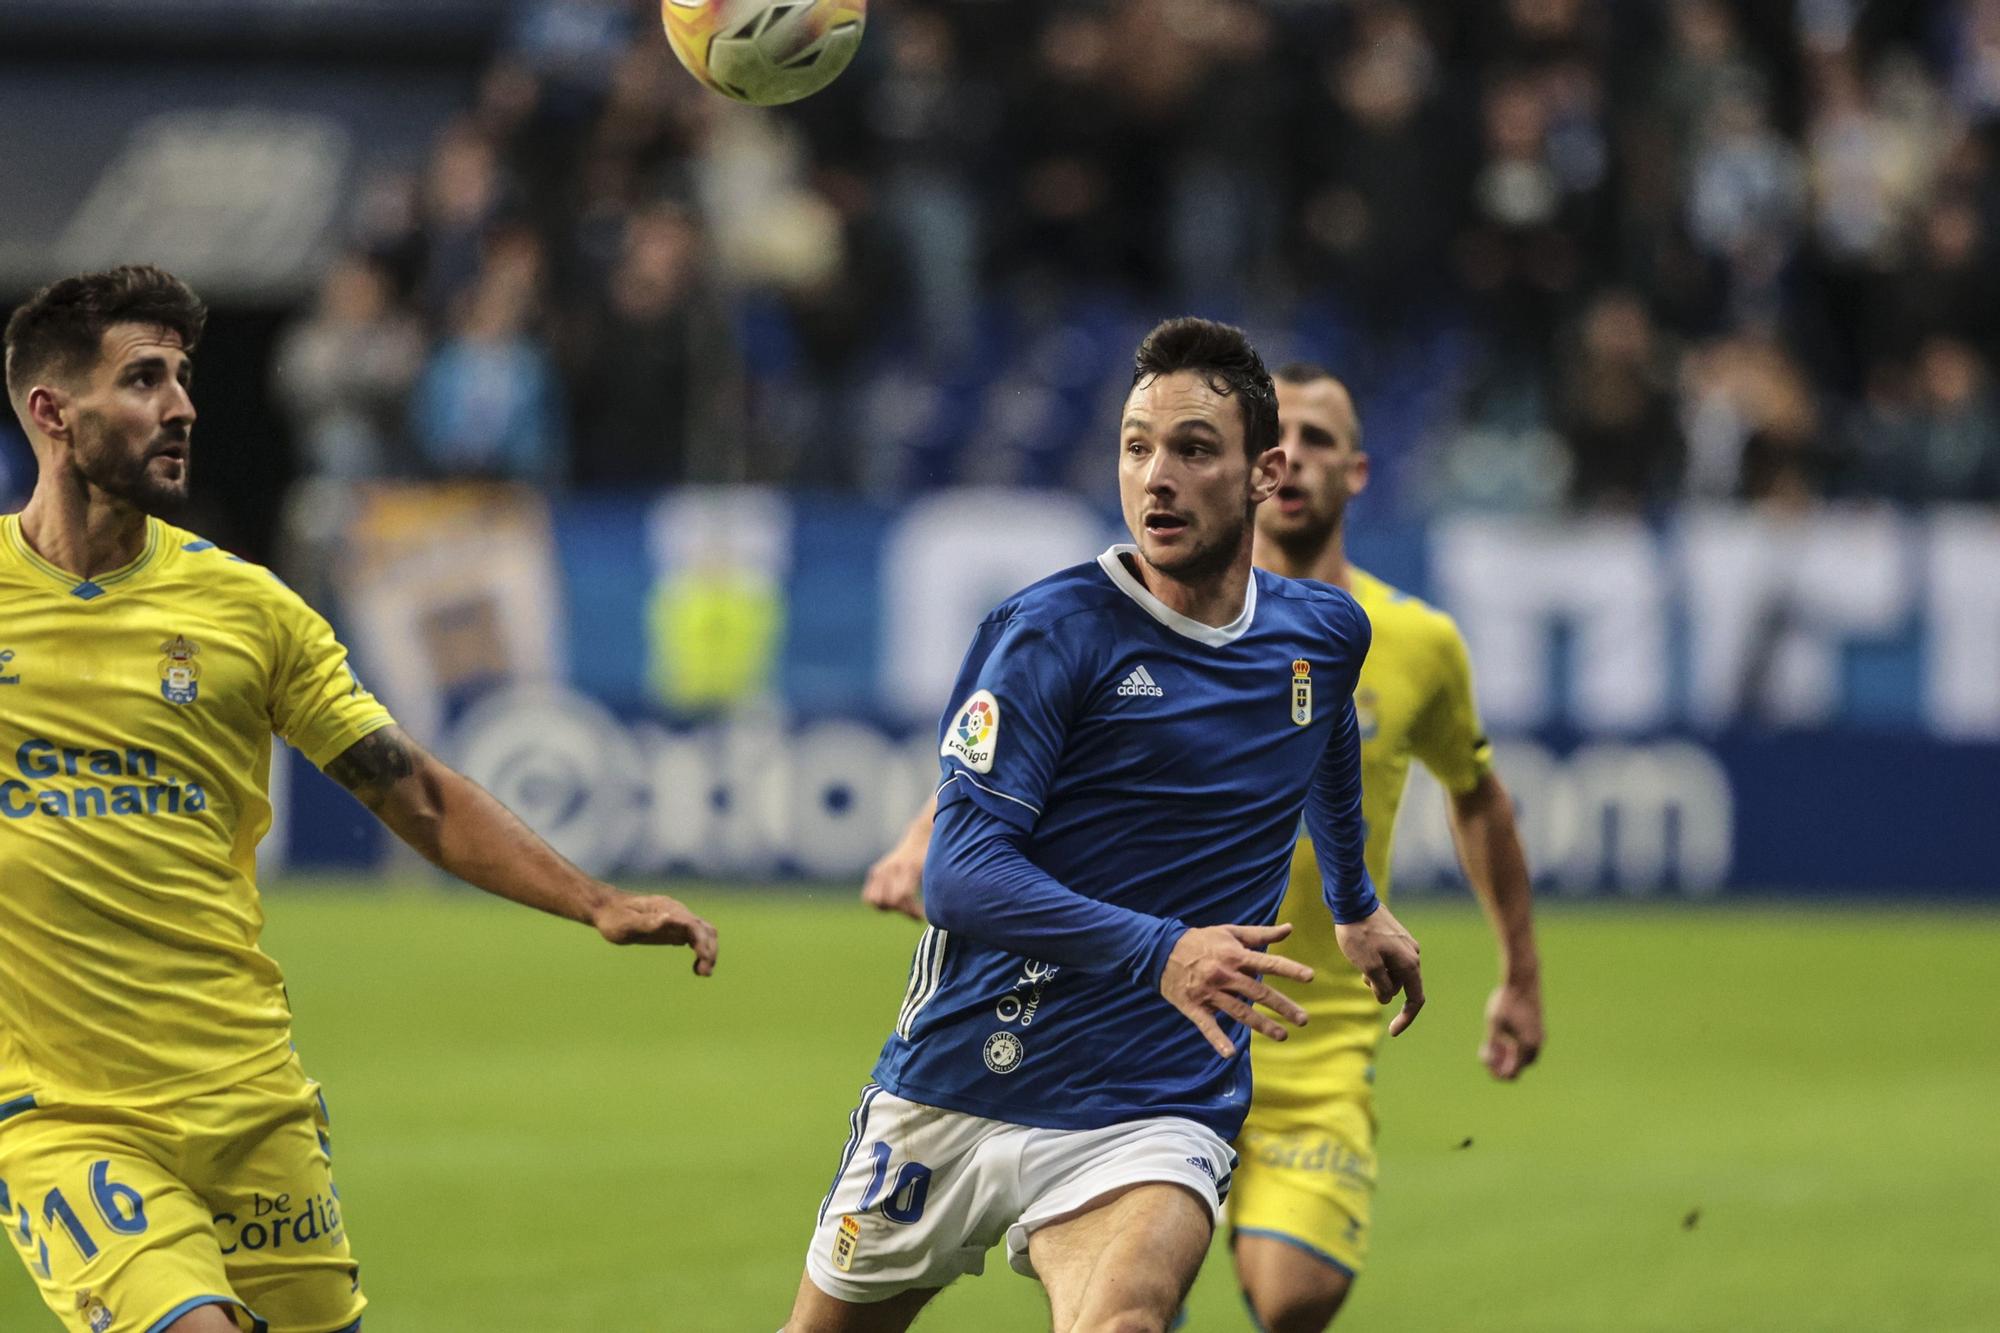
990	791
18	1106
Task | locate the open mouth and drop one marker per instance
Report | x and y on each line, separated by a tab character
1165	524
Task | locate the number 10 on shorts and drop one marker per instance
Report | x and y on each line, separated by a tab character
905	1202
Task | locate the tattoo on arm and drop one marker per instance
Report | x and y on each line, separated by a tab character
374	764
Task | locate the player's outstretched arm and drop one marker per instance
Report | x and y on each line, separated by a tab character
459	826
1489	848
895	883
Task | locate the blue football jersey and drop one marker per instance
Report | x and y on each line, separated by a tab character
1158	768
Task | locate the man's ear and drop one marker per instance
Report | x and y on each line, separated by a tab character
1267	473
48	412
1357	474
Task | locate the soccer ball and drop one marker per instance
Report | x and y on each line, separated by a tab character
765	51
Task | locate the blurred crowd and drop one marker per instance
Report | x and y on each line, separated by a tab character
1595	254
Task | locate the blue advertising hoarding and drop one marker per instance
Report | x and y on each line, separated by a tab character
746	683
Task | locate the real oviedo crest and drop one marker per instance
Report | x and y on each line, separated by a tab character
1302	692
179	676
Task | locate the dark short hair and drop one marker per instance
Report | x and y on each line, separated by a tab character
1222	354
60	329
1302	372
1311	372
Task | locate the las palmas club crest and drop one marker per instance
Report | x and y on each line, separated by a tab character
179	676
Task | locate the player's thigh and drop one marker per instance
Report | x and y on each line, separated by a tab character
814	1311
918	1198
1126	1263
268	1177
1157	1173
1305	1193
115	1241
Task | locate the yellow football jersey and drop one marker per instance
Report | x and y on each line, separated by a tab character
136	716
1414	700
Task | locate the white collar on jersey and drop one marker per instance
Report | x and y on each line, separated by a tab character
1215	636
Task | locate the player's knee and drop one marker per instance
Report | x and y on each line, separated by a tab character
1305	1303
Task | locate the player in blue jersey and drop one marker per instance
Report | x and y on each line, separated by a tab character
1123	781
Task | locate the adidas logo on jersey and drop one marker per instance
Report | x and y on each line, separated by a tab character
1141	682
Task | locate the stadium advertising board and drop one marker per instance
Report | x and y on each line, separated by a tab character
1728	702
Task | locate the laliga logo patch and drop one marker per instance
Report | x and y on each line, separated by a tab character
178	673
975	733
1003	1052
1302	692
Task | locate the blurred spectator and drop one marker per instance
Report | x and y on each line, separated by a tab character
1067	141
1618	411
1753	425
462	197
1746	197
341	375
1423	192
1521	256
1972	62
933	122
489	404
1705	62
1867	170
1228	162
1370	223
1938	441
657	385
1950	286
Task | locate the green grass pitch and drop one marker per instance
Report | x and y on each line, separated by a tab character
1746	1120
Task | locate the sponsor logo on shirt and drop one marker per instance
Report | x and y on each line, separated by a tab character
277	1222
179	676
1003	1052
6	656
1020	1004
1141	683
44	787
974	734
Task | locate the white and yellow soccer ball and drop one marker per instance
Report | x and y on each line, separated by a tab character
765	51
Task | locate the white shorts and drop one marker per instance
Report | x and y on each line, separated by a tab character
922	1193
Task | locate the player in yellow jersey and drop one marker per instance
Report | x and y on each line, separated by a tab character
163	1158
1302	1198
